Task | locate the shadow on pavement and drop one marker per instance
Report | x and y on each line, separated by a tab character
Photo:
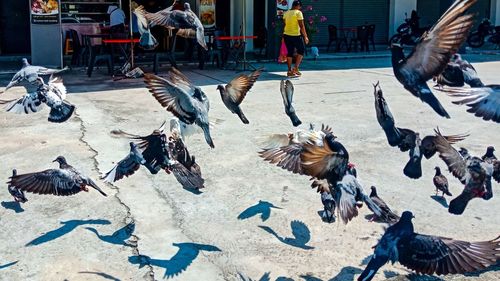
263	208
184	257
102	274
67	227
119	237
2	266
440	200
13	205
300	232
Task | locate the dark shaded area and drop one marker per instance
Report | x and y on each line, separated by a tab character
119	237
440	200
2	266
186	254
13	205
346	274
67	227
102	274
300	232
390	274
263	208
282	278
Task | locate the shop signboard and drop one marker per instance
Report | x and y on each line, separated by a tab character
207	14
44	11
46	37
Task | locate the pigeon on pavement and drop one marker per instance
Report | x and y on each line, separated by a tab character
432	53
233	93
441	183
406	139
427	254
17	193
60	182
387	215
287	90
185	100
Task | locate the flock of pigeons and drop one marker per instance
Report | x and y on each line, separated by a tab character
314	153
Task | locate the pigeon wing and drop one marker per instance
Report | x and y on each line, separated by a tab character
431	55
318	161
53	181
482	102
274	141
455	162
172	97
126	167
345	198
238	88
287	157
187	178
438	255
300	231
428	146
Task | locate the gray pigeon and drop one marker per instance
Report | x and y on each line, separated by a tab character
233	94
176	19
432	53
185	100
29	76
127	166
287	90
17	193
427	254
53	95
387	215
483	102
147	40
60	182
327	199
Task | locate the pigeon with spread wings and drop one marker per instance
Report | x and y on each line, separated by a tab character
406	139
432	53
60	182
459	72
473	172
185	100
287	90
233	93
427	254
483	102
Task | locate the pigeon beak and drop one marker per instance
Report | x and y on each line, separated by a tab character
55	160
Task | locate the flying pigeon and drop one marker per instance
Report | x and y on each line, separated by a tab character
406	139
432	53
287	90
427	254
233	93
29	76
176	19
53	95
17	193
483	102
387	215
458	72
473	172
147	40
185	100
451	76
60	182
127	166
441	183
160	152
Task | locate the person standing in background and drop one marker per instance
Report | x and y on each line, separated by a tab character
294	27
116	19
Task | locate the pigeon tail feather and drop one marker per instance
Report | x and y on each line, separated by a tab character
413	168
458	205
61	113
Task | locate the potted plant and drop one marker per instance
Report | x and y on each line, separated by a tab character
311	21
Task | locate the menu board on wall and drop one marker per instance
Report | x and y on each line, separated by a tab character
44	11
207	14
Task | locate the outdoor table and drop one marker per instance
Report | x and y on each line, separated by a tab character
234	37
122	43
237	50
347	33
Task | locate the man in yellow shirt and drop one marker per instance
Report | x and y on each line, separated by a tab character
294	26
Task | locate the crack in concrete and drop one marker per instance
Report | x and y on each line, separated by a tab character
129	218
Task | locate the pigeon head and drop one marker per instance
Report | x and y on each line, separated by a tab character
187	7
456	57
220	88
463	151
132	145
374	191
25	62
377	91
407	216
61	160
490	150
437	169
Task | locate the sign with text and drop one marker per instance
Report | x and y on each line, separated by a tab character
44	11
207	14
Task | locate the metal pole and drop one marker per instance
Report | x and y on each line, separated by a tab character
131	36
244	24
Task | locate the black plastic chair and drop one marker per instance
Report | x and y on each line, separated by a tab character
332	37
361	37
77	56
371	35
96	55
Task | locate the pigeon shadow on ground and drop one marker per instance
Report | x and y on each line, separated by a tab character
263	208
265	277
345	274
416	277
389	274
193	190
495	267
101	274
440	200
2	266
13	205
300	232
283	278
184	257
67	227
119	237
